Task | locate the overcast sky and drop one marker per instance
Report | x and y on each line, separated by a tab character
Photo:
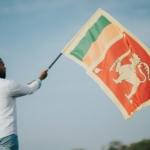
70	110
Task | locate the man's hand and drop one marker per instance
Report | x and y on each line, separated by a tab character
43	75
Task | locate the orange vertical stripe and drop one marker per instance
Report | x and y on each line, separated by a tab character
97	47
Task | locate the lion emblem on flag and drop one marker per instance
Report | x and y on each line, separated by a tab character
127	72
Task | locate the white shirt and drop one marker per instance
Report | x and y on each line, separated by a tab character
9	91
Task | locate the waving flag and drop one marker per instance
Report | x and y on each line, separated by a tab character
115	59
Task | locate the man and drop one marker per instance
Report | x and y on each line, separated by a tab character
9	91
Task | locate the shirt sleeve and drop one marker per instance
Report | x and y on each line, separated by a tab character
17	90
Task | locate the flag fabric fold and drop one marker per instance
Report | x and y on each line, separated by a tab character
115	59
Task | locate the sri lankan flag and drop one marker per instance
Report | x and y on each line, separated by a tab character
115	59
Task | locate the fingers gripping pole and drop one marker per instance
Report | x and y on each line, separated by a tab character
54	61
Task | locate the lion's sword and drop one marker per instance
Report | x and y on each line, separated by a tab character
119	59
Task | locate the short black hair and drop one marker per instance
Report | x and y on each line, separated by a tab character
0	59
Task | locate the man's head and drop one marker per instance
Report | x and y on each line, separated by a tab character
2	69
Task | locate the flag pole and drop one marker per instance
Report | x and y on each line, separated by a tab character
54	61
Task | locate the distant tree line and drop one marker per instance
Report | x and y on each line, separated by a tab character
117	145
141	145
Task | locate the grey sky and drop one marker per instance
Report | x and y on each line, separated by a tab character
70	110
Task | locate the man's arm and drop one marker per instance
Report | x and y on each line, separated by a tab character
17	90
42	76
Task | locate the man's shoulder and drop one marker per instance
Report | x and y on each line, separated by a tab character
6	81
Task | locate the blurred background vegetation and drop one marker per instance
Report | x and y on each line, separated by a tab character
118	145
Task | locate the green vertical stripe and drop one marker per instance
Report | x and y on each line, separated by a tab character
92	34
